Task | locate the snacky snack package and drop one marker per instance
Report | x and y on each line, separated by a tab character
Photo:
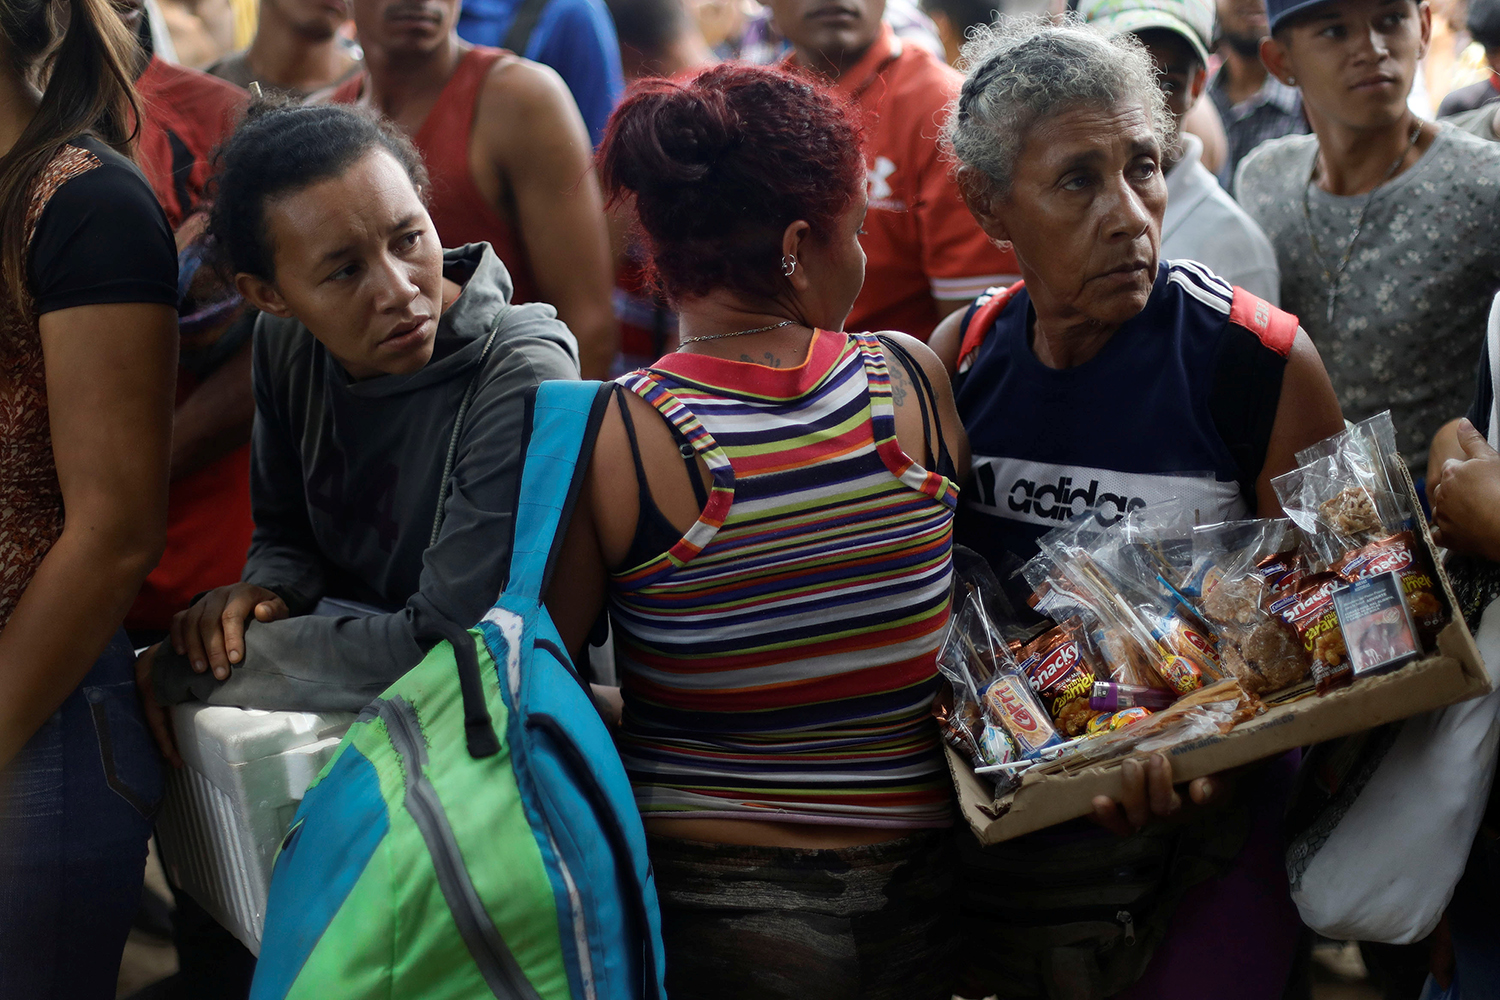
1310	611
1399	554
1059	673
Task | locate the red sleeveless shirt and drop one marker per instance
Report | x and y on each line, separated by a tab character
459	211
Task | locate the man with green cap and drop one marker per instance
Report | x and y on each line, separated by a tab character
1202	221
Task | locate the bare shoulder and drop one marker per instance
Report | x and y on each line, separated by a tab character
525	107
518	91
922	354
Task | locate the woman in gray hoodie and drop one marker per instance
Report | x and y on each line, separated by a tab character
390	376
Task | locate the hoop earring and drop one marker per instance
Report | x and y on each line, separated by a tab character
788	265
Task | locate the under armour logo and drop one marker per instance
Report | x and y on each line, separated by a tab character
880	189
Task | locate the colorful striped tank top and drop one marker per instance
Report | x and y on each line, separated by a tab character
778	662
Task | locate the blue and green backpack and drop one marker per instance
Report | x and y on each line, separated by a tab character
475	835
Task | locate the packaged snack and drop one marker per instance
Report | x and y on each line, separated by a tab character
1126	716
1377	624
1310	611
1236	601
1343	495
1266	656
1008	702
1191	640
1181	674
1108	722
1366	453
1256	564
1057	670
996	746
1399	554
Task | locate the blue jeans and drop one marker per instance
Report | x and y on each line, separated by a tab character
76	808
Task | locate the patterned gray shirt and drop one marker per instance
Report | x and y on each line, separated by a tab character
1411	307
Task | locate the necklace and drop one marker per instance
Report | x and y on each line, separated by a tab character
1334	279
739	333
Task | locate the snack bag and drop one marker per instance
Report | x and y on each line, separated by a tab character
1253	565
1399	554
1310	611
1058	671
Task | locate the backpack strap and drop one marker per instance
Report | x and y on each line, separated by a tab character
562	422
979	321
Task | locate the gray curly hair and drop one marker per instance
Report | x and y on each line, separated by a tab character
1023	70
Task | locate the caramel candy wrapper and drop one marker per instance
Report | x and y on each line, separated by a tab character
1057	670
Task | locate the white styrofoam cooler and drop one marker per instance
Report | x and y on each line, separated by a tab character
227	809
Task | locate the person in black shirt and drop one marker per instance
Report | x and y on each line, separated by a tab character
88	344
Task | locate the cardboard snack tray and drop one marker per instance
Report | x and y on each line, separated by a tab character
1454	673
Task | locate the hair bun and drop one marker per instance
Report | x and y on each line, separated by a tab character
721	164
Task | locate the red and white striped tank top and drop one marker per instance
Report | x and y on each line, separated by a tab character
778	662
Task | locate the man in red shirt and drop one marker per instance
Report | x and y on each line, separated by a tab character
508	155
927	255
186	115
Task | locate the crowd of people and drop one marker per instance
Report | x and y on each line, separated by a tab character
871	281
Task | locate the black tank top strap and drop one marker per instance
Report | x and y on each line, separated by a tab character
654	533
944	464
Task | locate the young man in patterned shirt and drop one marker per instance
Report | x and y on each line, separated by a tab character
1383	224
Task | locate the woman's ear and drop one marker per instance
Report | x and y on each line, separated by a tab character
794	240
261	294
978	192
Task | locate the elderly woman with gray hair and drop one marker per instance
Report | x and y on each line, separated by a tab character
1107	381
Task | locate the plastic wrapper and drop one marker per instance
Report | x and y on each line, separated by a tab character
993	717
1343	494
1245	566
1365	453
1116	586
1401	555
1108	722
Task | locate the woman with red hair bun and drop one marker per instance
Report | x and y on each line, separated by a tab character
768	517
